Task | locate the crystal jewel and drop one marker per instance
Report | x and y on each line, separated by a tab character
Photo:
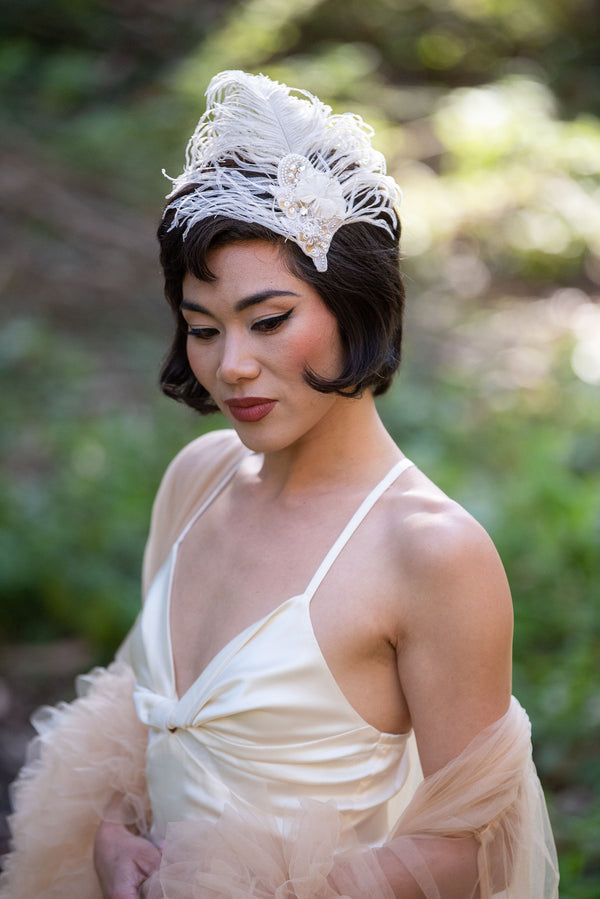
315	200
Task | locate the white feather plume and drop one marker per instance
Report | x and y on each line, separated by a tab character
251	126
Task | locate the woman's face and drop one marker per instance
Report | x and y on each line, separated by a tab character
251	334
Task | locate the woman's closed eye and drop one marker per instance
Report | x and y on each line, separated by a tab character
266	325
201	333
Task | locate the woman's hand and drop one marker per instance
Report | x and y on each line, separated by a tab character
123	861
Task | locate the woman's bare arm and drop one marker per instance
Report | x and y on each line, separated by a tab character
454	645
454	662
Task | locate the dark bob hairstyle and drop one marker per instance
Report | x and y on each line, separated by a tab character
362	287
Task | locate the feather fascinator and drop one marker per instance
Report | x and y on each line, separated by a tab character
266	153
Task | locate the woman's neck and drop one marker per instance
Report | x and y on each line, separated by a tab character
353	446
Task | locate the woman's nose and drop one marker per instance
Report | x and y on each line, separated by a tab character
238	361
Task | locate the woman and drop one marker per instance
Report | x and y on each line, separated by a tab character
314	605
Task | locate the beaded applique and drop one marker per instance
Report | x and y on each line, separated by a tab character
314	202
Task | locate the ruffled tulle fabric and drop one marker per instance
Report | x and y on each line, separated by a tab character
247	854
86	751
477	828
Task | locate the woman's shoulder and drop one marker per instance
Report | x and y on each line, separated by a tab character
452	619
195	470
203	457
441	550
188	480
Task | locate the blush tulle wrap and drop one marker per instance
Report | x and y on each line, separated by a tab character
485	809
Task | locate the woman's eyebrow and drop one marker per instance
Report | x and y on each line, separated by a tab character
245	303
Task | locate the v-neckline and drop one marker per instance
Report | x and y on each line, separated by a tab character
344	535
215	665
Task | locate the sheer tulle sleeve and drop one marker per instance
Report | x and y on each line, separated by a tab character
184	486
478	827
85	752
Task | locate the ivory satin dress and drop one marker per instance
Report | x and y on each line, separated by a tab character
265	722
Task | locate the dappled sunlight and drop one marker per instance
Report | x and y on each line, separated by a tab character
585	358
513	180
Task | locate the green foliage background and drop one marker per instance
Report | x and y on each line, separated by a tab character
487	111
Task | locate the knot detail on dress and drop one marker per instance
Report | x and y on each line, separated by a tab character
156	711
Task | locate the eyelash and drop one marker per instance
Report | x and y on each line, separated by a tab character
201	333
264	326
267	325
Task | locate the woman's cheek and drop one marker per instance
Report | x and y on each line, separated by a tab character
317	349
199	361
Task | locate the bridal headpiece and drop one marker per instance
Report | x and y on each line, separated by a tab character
266	153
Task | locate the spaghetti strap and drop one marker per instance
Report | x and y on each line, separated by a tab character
360	514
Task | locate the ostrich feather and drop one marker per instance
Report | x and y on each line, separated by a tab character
266	153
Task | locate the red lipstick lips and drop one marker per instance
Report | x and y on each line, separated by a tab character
250	408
